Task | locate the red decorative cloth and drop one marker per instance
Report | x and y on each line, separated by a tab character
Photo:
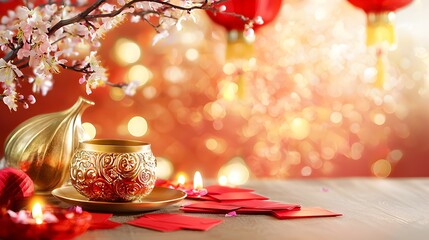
15	185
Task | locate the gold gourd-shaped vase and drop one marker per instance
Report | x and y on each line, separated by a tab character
43	145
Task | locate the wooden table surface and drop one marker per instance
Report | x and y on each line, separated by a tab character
373	209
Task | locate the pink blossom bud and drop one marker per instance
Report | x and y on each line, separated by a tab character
82	80
25	105
222	8
20	97
31	99
258	20
249	33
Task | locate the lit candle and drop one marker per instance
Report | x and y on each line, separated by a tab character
181	180
198	181
37	213
198	190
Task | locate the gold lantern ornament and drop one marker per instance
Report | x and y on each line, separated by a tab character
43	146
380	29
241	18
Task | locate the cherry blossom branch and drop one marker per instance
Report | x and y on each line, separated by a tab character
43	39
77	18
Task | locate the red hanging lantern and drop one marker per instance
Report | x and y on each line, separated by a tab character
6	5
380	17
239	45
380	30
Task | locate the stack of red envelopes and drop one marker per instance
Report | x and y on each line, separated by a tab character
166	222
221	199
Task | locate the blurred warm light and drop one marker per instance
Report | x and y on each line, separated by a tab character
198	181
356	151
192	54
126	51
395	155
89	131
217	146
235	171
174	74
149	92
249	65
211	144
223	180
336	117
306	171
137	126
229	68
311	109
381	168
36	213
181	179
300	128
229	91
164	168
139	73
122	130
379	119
116	94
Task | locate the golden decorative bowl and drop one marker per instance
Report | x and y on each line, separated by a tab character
113	170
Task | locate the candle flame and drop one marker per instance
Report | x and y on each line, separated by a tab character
37	213
198	181
181	179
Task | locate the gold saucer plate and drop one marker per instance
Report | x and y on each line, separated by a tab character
160	197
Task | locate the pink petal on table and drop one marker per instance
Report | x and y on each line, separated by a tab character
231	214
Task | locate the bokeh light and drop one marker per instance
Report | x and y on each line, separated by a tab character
139	73
310	108
137	126
223	180
235	171
381	168
126	51
164	168
89	131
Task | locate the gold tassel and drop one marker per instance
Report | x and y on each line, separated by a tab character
380	29
239	51
239	47
381	74
241	86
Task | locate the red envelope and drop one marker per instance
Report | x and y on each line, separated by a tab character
241	210
182	219
204	198
153	224
238	196
263	204
305	213
100	217
201	210
100	221
172	222
217	189
253	211
213	205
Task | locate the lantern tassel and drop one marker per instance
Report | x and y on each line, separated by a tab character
239	47
381	73
380	29
241	86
